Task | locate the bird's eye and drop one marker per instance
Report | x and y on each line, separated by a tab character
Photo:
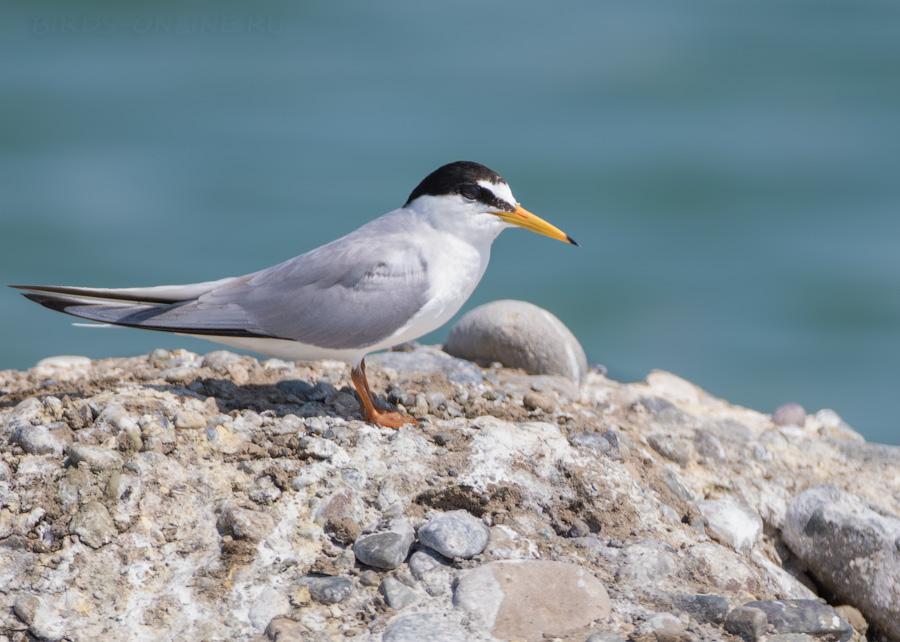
469	191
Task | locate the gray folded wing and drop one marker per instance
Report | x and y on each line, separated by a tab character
345	295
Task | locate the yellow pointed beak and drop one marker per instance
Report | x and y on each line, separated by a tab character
524	218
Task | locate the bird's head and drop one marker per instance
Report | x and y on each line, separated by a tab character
470	195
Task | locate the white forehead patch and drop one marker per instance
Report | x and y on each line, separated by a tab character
501	191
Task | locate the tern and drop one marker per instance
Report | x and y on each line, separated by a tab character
393	280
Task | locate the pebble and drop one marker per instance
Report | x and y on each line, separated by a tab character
660	627
532	599
386	548
425	560
36	440
339	515
180	376
665	412
644	564
369	578
329	590
672	448
219	359
188	420
297	387
723	569
93	525
242	523
708	445
64	361
676	484
851	549
808	617
418	627
731	522
397	594
96	457
592	440
537	401
518	334
319	448
346	404
26	606
283	629
789	414
456	534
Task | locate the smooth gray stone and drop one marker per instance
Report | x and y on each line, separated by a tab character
672	448
808	617
666	412
386	548
425	560
455	534
418	627
36	440
591	439
329	590
708	445
396	593
851	548
96	457
518	334
428	360
93	525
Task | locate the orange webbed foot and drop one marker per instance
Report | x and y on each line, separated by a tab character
390	419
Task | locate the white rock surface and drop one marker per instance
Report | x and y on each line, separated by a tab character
221	498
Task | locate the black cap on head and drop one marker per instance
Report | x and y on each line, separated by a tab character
451	178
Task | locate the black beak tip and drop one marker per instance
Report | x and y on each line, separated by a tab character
572	241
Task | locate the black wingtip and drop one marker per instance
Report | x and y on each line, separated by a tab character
572	241
59	304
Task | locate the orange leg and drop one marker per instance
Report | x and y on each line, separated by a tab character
388	419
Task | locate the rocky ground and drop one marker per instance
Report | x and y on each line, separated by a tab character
182	497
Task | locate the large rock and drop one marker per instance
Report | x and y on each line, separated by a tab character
532	599
851	548
518	334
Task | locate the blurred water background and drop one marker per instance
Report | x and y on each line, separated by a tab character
730	169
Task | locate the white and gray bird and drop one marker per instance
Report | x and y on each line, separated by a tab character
393	280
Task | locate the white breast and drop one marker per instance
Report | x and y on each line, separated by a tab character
455	266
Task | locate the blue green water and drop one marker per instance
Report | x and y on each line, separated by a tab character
730	169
